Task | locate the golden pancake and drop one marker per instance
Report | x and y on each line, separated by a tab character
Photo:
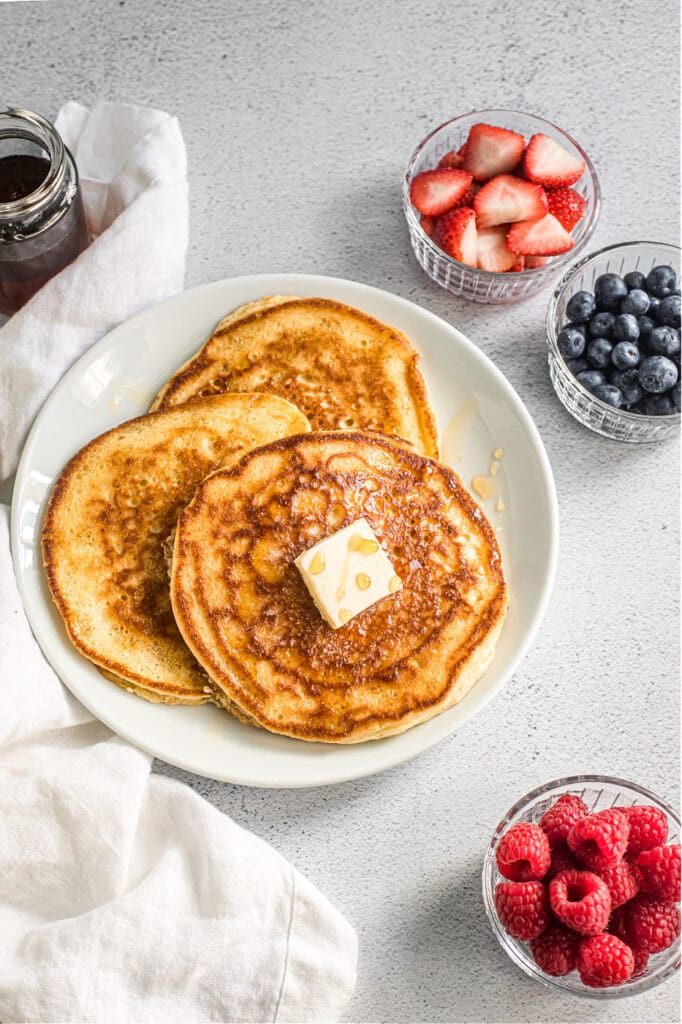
245	612
109	514
341	367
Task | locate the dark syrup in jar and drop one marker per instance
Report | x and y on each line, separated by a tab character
20	175
30	256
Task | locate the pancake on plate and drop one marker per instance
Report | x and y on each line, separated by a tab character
110	512
342	368
245	612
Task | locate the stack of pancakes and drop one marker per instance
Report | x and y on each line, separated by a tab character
169	542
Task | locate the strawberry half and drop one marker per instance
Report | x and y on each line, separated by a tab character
490	151
437	191
451	159
567	206
535	261
518	265
544	237
506	199
428	224
492	250
547	163
456	234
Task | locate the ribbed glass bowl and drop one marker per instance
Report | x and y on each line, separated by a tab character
598	792
484	285
588	410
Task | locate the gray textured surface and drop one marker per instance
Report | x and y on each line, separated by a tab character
298	119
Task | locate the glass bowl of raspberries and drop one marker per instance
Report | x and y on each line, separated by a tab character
613	333
581	884
497	202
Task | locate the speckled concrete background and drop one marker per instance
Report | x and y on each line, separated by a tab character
299	118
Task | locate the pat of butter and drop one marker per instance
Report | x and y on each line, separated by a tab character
347	572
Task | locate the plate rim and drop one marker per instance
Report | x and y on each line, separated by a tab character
251	282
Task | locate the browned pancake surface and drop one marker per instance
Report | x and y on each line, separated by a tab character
243	608
109	514
342	368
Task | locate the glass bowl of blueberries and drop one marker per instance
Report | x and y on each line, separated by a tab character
613	330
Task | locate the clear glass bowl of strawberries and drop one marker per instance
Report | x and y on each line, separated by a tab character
497	202
581	883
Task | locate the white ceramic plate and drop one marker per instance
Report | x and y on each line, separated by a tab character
477	411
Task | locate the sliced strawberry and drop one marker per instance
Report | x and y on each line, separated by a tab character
567	206
490	151
544	237
451	159
493	253
518	265
547	163
456	235
437	191
428	224
535	261
468	197
462	150
505	199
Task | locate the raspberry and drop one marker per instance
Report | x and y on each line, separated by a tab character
523	853
523	908
556	950
581	901
600	840
648	828
561	816
622	882
650	924
604	960
562	860
660	871
641	960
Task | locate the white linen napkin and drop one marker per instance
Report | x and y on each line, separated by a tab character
133	172
123	895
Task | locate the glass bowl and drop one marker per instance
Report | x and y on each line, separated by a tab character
598	792
484	285
588	410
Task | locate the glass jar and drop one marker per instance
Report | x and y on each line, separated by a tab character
42	221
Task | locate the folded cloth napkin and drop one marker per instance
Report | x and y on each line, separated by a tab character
133	173
123	895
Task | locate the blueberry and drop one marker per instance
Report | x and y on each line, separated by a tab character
591	379
571	342
576	366
626	327
636	302
661	281
654	303
657	374
627	381
601	325
625	355
580	307
635	279
609	394
598	353
609	292
658	405
646	326
664	341
668	312
675	395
